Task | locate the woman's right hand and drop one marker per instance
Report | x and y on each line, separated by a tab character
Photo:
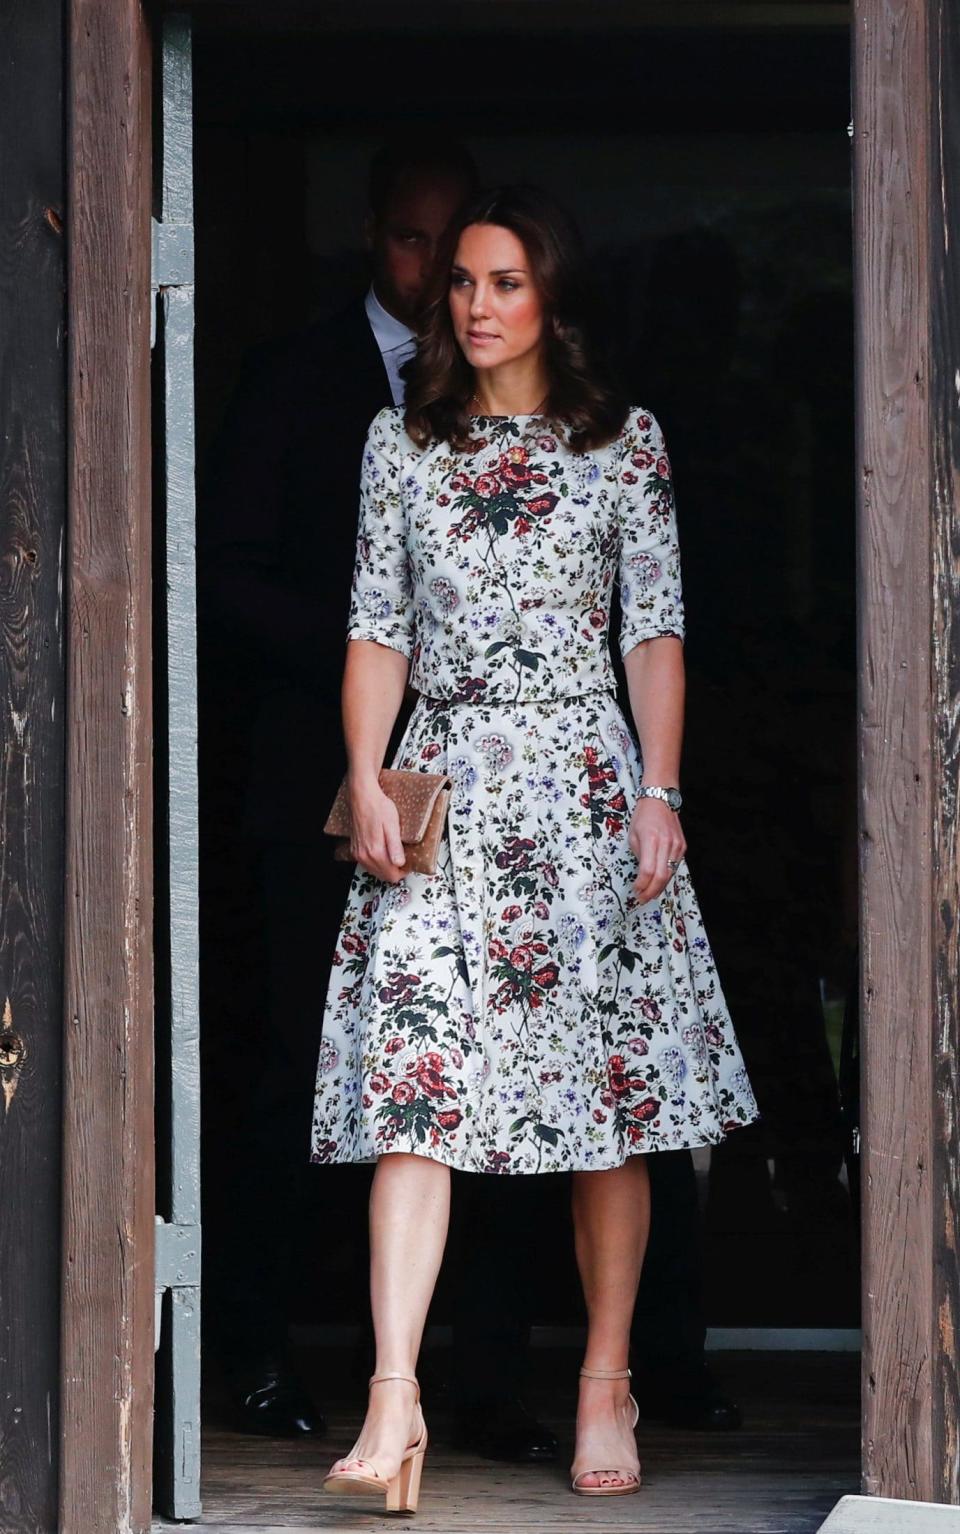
375	842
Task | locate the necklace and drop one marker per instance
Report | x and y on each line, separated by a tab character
536	410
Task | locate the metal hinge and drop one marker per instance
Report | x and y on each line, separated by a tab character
171	263
176	1262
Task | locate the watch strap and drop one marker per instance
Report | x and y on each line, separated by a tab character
657	791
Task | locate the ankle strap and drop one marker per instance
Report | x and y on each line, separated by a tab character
606	1374
394	1374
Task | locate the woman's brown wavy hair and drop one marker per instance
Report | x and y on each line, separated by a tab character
581	402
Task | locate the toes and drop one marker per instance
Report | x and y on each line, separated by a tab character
606	1478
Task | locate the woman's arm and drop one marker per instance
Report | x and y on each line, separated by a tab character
380	642
656	683
374	681
651	641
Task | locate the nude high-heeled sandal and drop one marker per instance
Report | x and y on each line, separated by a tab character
630	1478
402	1491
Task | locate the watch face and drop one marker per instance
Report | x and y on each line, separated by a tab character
674	798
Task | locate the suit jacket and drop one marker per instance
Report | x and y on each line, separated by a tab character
277	526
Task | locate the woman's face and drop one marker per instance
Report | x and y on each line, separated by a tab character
496	310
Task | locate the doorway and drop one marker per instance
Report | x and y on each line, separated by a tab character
724	252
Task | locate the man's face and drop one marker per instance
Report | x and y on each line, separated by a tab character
406	238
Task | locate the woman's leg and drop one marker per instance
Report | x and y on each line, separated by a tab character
611	1220
409	1215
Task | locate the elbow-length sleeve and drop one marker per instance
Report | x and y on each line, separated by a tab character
651	597
381	596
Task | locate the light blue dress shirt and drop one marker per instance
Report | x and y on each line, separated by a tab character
396	341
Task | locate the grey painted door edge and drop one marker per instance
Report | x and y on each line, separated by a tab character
178	1247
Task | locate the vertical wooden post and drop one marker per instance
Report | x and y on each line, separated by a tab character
944	233
108	1211
905	178
32	511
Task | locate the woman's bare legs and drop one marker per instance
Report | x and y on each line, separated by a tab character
409	1216
611	1220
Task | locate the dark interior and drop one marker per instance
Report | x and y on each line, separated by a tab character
708	167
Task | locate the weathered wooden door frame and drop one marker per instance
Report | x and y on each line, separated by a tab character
906	166
907	290
108	1157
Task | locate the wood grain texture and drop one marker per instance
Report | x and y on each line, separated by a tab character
33	501
108	1212
782	1473
944	68
904	168
890	193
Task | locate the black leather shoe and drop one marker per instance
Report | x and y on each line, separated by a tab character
503	1430
686	1398
273	1401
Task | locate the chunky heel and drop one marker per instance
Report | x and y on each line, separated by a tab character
402	1492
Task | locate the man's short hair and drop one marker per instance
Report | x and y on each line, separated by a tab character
418	156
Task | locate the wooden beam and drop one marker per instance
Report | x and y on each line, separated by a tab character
108	1213
33	491
907	313
526	15
890	283
944	235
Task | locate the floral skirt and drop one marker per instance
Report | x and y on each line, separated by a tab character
519	1010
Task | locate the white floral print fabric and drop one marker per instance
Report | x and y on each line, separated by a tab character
519	1011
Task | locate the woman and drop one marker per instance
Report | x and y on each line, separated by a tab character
548	999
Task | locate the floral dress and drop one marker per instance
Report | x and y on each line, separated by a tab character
519	1010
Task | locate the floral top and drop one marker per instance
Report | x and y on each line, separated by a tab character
492	570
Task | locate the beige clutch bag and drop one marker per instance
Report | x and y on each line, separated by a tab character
421	799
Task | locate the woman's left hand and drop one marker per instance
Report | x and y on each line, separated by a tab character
655	836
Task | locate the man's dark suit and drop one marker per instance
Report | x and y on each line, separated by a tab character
277	522
277	544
